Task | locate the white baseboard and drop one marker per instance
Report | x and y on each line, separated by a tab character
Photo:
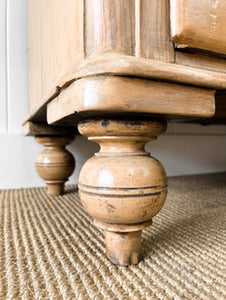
180	155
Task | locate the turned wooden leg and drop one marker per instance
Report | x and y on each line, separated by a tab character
122	187
55	163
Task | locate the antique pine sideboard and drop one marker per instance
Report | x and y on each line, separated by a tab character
118	71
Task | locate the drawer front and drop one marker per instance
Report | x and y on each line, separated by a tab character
199	24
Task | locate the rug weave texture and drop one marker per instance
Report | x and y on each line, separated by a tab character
49	248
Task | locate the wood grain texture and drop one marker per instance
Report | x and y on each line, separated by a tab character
109	26
153	30
150	69
117	95
122	187
137	67
199	24
123	248
113	33
63	33
201	61
55	44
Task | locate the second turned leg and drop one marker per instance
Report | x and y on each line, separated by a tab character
122	186
55	163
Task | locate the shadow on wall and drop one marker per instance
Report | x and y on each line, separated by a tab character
82	149
190	154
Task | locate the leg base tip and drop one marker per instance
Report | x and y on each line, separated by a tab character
55	188
123	248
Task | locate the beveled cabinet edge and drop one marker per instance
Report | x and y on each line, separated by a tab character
123	65
118	94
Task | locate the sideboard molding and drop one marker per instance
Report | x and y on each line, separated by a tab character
117	95
123	65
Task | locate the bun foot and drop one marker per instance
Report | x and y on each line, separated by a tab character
122	187
55	164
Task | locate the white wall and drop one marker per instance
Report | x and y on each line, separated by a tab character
185	149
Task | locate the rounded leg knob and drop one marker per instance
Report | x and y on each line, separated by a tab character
122	187
55	163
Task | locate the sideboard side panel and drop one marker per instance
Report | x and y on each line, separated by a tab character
55	44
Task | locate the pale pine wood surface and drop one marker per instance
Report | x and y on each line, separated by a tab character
109	27
77	39
55	163
121	186
117	95
139	67
55	44
205	62
153	30
199	24
63	33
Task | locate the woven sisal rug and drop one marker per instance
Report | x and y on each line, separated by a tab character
49	248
